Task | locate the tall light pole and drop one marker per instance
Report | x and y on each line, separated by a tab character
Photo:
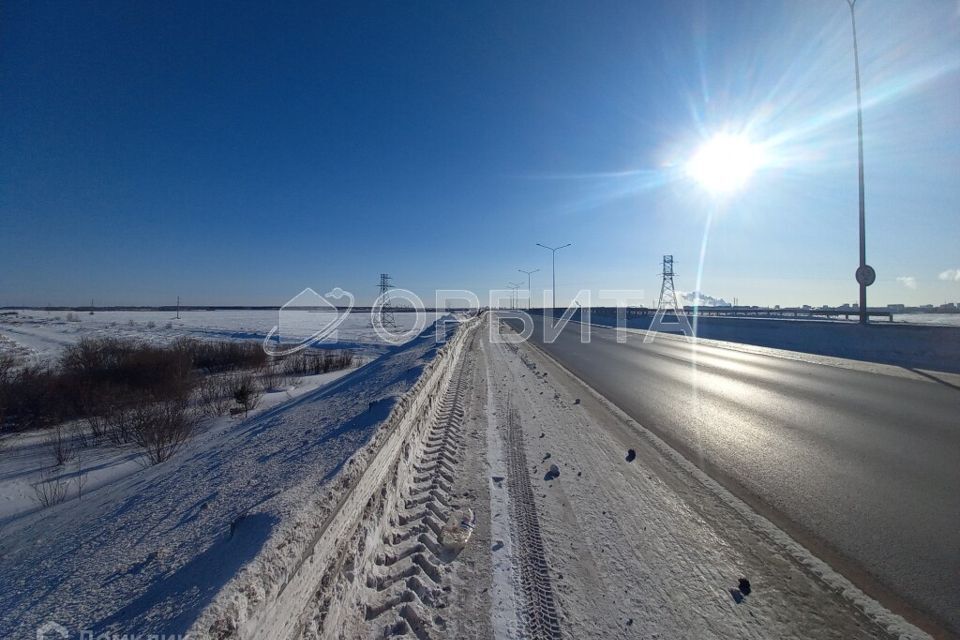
515	286
865	273
554	250
529	293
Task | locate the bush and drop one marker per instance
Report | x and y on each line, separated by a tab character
103	368
104	383
214	357
32	399
7	363
119	424
60	446
51	489
305	363
215	393
246	392
275	377
161	428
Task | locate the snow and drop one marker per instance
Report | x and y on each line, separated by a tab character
504	599
42	335
148	548
26	454
263	528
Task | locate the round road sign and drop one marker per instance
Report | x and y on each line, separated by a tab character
866	276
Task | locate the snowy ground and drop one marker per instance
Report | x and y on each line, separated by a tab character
41	335
322	517
576	537
147	549
25	455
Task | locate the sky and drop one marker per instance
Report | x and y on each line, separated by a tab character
236	153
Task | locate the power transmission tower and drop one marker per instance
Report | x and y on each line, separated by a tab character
385	312
667	290
668	302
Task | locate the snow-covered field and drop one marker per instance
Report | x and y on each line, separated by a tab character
937	319
41	335
146	549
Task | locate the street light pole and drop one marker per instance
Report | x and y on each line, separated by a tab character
529	293
554	250
515	286
865	273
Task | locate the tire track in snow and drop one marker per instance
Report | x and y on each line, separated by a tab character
540	613
406	587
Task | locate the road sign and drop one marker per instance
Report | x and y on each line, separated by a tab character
866	276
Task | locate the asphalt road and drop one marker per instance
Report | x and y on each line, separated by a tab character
863	467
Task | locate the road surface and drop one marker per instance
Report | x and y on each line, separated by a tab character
862	467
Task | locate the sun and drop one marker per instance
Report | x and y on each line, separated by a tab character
725	163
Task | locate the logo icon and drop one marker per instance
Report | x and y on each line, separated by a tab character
307	318
47	630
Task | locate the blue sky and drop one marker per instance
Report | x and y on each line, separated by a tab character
235	153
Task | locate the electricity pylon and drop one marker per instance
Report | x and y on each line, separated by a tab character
385	312
668	301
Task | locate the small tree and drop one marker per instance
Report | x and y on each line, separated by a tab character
60	446
161	428
247	393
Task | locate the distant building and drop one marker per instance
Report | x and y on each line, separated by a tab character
896	308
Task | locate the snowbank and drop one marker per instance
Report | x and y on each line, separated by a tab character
270	598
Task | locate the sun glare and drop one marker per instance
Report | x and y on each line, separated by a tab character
724	163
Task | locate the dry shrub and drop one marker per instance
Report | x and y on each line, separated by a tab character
215	393
51	490
305	363
60	446
214	357
33	399
161	428
246	392
275	377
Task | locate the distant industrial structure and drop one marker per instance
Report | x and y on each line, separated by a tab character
384	312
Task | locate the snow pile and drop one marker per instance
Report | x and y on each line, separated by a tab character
270	598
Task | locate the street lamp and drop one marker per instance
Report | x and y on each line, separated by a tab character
515	286
529	293
865	273
554	250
